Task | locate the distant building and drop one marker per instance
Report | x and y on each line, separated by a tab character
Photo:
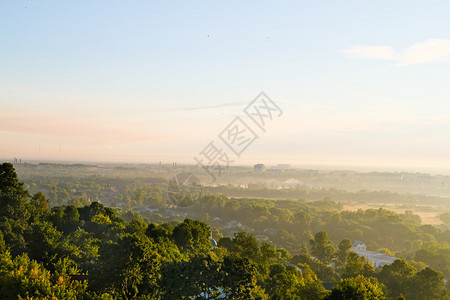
289	171
311	172
259	168
360	246
378	259
274	171
232	224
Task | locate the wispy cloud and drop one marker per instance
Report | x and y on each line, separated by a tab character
431	50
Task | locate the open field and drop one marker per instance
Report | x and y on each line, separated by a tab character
429	214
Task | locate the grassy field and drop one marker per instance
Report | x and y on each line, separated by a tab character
428	213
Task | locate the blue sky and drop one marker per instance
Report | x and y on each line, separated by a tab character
361	84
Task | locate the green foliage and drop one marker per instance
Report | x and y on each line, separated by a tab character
325	273
357	288
322	247
128	267
40	203
42	241
427	285
284	282
239	280
25	278
356	265
189	279
14	208
86	251
343	250
245	245
13	197
192	237
234	278
397	277
401	279
82	247
436	255
3	246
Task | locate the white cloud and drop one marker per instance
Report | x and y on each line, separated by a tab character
431	50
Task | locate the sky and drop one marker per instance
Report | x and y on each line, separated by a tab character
361	84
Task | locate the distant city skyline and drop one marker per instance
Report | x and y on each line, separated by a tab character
362	85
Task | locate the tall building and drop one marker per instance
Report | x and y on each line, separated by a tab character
259	168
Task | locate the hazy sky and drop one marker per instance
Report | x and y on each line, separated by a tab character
363	83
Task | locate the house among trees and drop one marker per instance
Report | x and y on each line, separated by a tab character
378	259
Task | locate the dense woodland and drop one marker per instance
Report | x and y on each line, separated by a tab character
78	248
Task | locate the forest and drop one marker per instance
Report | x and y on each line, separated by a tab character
218	247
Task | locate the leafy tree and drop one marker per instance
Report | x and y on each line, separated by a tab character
3	246
40	203
238	278
192	279
127	268
42	241
356	265
226	243
192	237
13	197
27	279
136	226
14	212
428	284
71	219
284	282
304	249
397	277
324	272
283	254
82	247
357	288
322	247
312	288
353	266
13	233
343	250
246	245
156	231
